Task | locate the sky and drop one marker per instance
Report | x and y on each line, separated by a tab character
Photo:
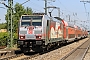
76	10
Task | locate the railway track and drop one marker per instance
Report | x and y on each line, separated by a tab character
22	56
87	56
26	57
11	57
78	53
19	57
2	47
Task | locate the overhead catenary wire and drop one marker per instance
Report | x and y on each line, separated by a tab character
85	9
75	16
71	13
87	13
64	6
25	2
33	5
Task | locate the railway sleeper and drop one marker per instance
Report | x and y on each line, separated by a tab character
4	54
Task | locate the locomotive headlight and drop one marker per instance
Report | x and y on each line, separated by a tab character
39	36
22	37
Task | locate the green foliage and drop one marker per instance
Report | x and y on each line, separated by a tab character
17	12
28	11
3	26
3	38
15	38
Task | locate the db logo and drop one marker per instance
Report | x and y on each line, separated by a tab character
30	32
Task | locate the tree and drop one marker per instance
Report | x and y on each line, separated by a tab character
3	38
18	10
28	11
3	26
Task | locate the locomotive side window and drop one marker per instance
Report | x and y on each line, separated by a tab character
31	21
47	22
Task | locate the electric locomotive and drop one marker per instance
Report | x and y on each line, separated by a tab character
39	32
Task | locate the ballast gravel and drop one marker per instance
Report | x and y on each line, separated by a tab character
60	52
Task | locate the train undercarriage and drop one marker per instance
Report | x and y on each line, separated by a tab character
37	46
30	45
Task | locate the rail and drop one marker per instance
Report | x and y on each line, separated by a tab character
78	53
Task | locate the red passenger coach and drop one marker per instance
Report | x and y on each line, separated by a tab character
68	31
71	32
76	34
86	33
65	24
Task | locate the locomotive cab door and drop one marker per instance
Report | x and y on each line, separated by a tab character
47	32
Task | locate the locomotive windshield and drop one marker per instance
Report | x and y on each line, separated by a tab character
25	23
31	21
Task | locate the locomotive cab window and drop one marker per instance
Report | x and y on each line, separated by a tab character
25	23
31	21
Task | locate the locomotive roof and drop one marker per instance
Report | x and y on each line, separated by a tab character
64	23
54	19
51	18
70	24
75	26
32	15
58	18
38	13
